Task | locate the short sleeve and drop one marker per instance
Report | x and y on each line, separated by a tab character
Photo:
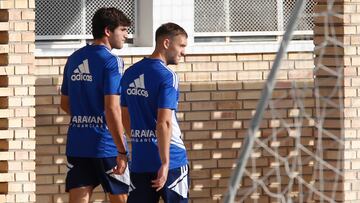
123	93
168	93
112	76
64	85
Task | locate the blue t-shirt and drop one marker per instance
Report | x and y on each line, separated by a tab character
90	73
145	87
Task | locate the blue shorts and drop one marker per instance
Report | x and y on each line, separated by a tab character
94	171
175	190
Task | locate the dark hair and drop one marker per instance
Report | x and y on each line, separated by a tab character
108	17
169	30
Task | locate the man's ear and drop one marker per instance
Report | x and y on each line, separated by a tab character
166	43
107	31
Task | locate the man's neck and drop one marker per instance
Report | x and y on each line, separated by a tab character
158	55
102	41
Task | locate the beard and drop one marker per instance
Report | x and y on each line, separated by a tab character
172	60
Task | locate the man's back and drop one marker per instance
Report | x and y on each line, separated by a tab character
147	86
95	148
86	81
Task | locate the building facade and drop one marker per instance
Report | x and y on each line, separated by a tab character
221	80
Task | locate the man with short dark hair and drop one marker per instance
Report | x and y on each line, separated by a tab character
149	89
96	146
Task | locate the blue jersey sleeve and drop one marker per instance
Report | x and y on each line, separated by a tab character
168	94
112	76
64	85
123	93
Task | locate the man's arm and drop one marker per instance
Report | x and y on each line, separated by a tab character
64	104
163	133
113	120
126	120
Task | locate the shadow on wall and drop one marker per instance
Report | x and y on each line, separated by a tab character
50	137
214	117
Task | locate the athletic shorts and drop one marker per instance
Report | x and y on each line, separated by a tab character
95	171
175	190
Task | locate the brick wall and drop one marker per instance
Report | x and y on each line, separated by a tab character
345	39
17	112
351	41
218	96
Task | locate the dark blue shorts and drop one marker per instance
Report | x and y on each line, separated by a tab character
175	190
94	171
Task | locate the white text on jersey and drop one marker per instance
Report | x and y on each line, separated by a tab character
138	87
82	73
87	119
143	134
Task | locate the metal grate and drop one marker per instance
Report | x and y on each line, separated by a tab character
126	6
60	17
248	15
73	18
252	16
210	16
306	21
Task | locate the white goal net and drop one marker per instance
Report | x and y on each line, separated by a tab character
298	157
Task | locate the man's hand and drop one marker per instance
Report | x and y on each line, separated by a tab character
160	181
121	163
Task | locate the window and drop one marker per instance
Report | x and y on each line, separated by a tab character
234	20
71	19
63	26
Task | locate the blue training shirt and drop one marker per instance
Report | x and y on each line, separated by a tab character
145	87
90	73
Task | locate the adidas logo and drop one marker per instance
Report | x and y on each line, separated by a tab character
138	87
82	73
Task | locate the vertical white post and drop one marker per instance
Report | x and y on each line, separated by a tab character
83	21
280	14
227	15
150	14
144	26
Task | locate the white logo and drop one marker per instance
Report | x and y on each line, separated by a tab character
138	87
87	121
82	73
143	136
